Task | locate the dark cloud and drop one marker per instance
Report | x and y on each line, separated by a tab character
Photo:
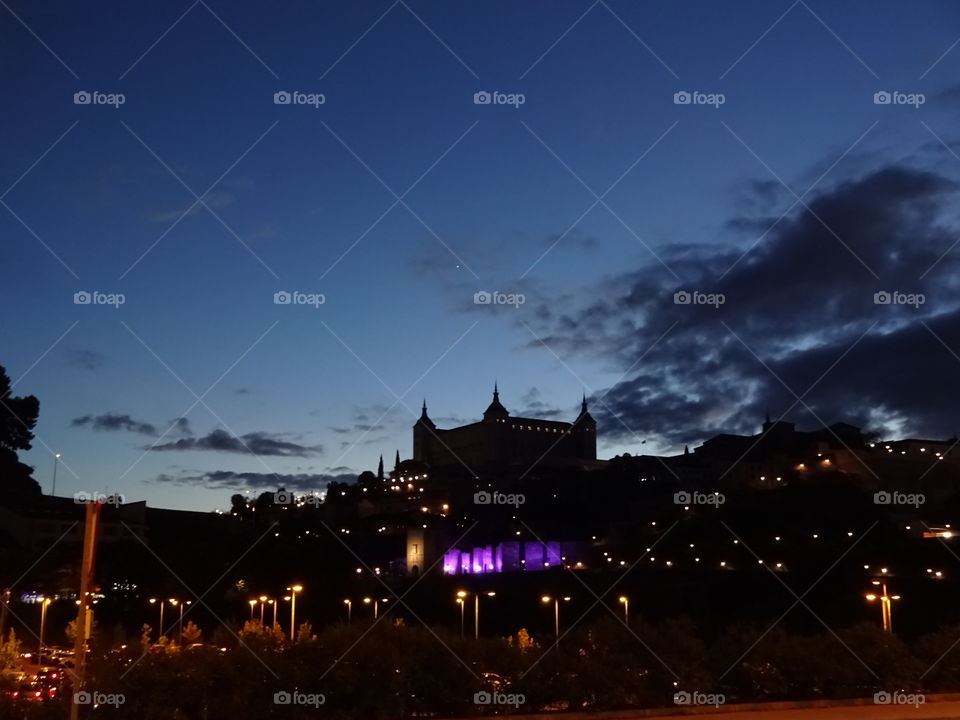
84	359
181	426
533	406
256	443
795	304
114	422
230	480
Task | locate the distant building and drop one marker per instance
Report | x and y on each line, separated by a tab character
501	440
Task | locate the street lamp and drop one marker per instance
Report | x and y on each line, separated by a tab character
253	604
263	600
626	609
886	604
181	603
546	599
273	603
349	603
461	596
44	602
294	589
461	603
154	601
56	461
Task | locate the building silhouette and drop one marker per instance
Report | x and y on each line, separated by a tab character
501	440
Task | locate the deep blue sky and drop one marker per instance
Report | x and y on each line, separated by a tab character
295	208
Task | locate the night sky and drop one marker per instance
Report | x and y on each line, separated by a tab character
793	196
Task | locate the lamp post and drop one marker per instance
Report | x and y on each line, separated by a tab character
461	603
253	604
56	461
626	609
273	604
349	604
263	605
546	600
886	604
44	602
462	596
159	629
294	589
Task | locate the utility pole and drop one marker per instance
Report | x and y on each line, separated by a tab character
85	611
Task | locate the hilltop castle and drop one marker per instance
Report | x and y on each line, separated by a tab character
501	440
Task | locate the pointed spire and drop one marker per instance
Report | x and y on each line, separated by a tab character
396	462
495	411
496	392
686	449
380	468
583	404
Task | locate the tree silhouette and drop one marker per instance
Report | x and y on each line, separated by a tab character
18	416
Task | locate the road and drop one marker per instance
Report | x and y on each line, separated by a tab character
932	711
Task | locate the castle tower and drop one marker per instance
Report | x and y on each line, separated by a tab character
423	433
585	432
416	551
495	412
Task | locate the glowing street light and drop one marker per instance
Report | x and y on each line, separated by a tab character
253	604
349	603
886	604
44	602
263	605
461	600
154	601
625	601
546	600
293	609
461	603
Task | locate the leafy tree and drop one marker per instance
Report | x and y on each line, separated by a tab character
18	417
9	651
191	633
